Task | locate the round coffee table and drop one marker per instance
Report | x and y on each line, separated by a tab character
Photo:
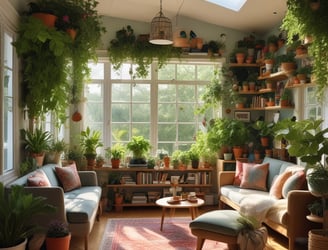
193	207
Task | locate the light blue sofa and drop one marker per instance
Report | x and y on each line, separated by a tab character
79	207
287	216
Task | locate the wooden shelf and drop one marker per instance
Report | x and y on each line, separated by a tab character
295	86
265	108
278	76
156	185
244	65
260	92
138	169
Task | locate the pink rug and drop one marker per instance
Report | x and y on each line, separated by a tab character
144	233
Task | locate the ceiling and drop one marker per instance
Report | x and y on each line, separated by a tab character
258	16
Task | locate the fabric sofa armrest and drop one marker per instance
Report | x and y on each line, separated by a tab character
297	211
226	178
55	197
88	178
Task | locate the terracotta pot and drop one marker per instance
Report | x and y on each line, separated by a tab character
48	19
166	161
301	77
61	243
239	105
288	66
240	57
76	117
237	151
265	141
284	103
39	158
72	33
200	43
115	163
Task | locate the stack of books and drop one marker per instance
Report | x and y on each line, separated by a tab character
139	198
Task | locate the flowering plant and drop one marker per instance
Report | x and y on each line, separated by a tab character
57	229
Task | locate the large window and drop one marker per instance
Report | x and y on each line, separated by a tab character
161	108
7	106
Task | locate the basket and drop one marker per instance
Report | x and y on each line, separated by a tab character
318	239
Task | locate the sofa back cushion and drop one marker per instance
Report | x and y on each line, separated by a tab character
275	168
254	176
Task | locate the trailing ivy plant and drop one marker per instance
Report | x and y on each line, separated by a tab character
300	20
219	91
127	47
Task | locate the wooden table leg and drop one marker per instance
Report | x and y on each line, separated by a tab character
162	219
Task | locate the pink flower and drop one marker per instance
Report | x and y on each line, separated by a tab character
66	19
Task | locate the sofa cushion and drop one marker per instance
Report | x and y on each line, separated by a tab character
81	203
68	177
239	172
218	221
276	188
254	176
49	170
296	181
38	178
276	167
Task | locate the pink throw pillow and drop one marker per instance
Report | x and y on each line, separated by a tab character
38	179
278	183
239	172
296	181
255	176
68	177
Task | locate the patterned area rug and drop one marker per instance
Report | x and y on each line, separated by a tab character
144	233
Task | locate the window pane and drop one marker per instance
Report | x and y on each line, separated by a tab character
167	72
186	132
186	72
97	70
166	112
120	112
205	72
166	132
141	129
186	113
120	132
94	112
7	98
186	93
140	112
166	93
141	93
121	92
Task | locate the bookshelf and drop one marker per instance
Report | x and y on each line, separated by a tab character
142	186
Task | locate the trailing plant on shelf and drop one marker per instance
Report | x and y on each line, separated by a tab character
219	91
302	21
46	87
127	47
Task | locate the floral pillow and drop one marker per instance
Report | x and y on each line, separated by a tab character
39	179
69	177
255	176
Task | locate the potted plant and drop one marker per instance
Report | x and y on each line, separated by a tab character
89	142
17	209
184	160
240	54
252	235
126	46
56	149
175	158
287	62
58	236
309	142
139	146
117	152
36	143
100	160
286	98
303	73
265	130
300	20
194	155
237	136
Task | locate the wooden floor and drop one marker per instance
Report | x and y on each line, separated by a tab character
275	242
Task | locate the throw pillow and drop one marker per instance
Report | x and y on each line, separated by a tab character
69	177
255	176
239	172
294	182
38	179
278	183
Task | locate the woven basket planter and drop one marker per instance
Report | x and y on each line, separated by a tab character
318	239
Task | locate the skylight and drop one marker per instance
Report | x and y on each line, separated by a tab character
234	5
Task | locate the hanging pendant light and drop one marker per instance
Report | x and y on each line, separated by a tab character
161	29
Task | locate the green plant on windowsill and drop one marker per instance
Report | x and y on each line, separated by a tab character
139	146
127	47
89	142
